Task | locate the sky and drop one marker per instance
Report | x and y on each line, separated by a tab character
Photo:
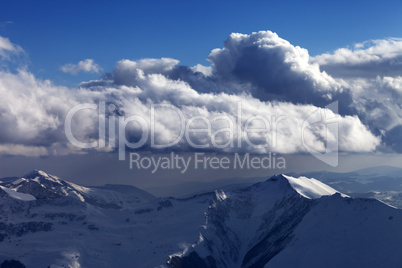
54	33
289	62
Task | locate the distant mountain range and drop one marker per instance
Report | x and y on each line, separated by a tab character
382	182
283	221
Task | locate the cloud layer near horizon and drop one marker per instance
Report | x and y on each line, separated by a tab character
264	75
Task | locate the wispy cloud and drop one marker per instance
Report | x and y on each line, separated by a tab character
87	65
8	49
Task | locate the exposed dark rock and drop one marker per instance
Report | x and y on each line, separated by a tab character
12	264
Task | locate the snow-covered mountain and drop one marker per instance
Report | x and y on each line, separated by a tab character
381	178
374	179
282	222
44	186
382	182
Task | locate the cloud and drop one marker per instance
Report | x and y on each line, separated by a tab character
377	101
261	64
393	139
127	71
18	149
87	65
205	70
29	108
158	89
392	84
255	81
368	59
267	67
274	68
36	117
372	71
7	48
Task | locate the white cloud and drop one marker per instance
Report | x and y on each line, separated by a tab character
269	77
87	65
127	71
156	88
377	101
274	68
32	111
369	51
7	48
368	59
205	70
39	108
18	149
392	83
372	71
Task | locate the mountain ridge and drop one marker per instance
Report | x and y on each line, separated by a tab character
266	224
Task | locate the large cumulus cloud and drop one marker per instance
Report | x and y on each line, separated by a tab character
259	76
273	68
262	64
158	89
36	118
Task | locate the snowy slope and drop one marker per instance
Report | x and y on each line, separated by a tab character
68	228
44	186
341	232
278	224
282	222
377	179
17	195
310	188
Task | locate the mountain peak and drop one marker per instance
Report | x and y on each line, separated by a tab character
42	178
306	187
35	173
41	185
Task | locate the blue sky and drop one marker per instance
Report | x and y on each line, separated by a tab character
54	33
